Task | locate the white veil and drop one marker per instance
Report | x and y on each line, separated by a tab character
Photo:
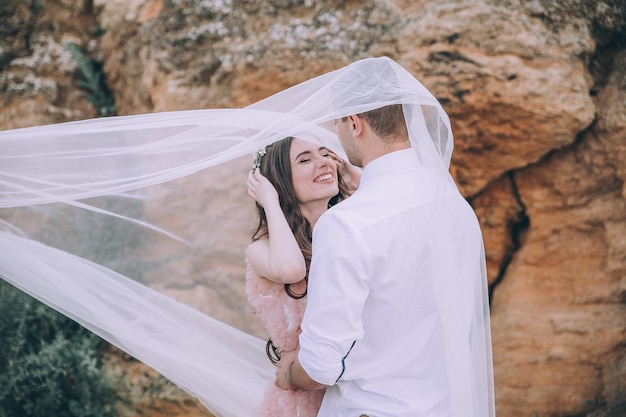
106	172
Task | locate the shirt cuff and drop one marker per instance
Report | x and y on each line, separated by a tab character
324	364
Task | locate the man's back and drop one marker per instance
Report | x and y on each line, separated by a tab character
374	294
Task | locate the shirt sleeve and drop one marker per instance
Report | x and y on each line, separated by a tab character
337	291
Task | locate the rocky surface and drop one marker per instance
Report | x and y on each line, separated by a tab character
536	91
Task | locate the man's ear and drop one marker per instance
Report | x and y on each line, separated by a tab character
355	124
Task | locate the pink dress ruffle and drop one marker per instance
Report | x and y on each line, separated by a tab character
282	316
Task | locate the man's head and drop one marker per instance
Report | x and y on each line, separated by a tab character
388	123
384	127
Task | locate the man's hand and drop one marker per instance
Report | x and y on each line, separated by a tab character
350	174
291	375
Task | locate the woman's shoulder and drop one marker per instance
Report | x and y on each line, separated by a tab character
255	252
256	245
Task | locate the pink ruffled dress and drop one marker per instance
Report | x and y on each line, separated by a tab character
282	316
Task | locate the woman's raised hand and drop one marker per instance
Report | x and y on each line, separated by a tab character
261	189
350	174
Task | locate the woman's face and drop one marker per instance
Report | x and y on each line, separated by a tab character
313	172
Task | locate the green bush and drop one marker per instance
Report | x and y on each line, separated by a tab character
49	365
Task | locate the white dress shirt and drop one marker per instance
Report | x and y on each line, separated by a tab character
372	329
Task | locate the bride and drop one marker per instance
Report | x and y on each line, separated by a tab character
116	167
280	253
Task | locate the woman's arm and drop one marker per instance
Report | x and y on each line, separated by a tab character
278	257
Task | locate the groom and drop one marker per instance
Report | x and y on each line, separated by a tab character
375	331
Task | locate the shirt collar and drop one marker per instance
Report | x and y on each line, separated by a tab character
392	161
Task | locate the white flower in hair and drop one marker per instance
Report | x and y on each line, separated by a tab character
257	159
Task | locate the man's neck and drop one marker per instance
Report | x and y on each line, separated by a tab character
384	149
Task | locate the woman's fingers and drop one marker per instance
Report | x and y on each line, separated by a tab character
260	188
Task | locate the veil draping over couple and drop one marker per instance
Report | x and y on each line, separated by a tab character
110	170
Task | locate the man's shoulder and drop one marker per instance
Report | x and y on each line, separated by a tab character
341	215
361	208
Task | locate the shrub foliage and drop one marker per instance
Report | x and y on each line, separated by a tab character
49	365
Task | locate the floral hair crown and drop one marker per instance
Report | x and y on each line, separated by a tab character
257	159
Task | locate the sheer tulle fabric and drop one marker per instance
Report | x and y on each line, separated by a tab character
116	170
